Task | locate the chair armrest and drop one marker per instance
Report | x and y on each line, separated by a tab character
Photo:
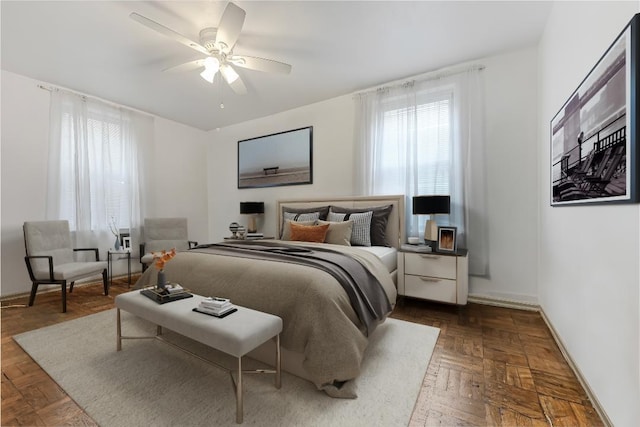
192	244
89	249
141	251
27	260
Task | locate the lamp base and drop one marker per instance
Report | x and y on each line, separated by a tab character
252	227
431	231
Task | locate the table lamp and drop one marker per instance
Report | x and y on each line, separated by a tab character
252	209
431	205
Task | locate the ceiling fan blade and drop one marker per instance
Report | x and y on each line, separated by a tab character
168	32
260	64
233	79
186	66
229	28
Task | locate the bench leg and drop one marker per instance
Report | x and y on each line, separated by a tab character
278	358
239	405
118	330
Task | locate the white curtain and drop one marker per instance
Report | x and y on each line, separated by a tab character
426	137
96	168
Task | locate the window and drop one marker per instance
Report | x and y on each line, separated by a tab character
413	150
96	167
432	149
425	137
107	179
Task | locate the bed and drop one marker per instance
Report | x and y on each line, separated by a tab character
311	286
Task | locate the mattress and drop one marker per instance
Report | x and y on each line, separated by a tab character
388	256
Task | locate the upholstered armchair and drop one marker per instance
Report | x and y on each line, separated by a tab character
50	258
164	234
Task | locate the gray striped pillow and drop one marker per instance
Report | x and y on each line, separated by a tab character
309	216
297	217
361	231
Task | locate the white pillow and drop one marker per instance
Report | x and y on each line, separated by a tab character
361	232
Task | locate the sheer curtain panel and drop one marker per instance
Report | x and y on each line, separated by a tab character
426	137
96	168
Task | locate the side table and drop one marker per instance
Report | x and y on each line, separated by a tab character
435	276
118	256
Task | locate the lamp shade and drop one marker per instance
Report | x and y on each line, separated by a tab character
251	207
429	205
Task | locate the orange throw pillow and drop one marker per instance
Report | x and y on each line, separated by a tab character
308	233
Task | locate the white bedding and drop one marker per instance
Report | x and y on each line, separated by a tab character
388	256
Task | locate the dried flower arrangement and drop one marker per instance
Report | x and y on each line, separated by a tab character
161	258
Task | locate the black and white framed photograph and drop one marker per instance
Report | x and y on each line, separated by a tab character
126	244
447	239
284	158
594	136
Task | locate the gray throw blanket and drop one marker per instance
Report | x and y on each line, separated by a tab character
365	292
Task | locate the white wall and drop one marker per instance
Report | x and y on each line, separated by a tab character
589	255
512	199
178	188
511	81
332	123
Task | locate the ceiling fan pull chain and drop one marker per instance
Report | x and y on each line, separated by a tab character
221	93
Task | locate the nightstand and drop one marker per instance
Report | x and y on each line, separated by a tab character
434	276
113	255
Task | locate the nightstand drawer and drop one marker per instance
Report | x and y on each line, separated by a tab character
431	265
431	288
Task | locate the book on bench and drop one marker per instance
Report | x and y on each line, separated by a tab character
214	306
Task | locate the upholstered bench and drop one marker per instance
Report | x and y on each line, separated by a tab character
236	334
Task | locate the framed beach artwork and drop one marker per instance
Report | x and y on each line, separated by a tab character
594	136
284	158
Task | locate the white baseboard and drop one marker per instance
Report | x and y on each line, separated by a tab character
499	302
47	290
592	397
503	302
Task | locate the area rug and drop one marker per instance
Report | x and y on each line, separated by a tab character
152	383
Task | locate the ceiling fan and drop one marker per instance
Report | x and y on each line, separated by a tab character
216	44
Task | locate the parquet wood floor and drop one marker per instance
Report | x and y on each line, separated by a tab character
497	367
491	366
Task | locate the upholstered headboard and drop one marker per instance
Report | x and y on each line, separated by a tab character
395	225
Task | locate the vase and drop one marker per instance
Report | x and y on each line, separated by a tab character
162	280
116	245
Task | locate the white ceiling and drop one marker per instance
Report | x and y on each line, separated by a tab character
335	48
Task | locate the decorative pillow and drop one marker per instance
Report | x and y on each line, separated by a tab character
361	232
297	217
310	216
379	221
339	233
308	233
323	210
286	230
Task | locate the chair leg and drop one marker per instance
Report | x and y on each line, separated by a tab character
32	295
71	287
64	296
105	282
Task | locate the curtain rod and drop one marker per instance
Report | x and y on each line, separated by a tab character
85	97
424	77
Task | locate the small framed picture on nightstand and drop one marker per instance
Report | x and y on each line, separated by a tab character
447	239
126	244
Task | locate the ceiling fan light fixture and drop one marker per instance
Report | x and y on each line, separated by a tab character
211	67
229	74
208	74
